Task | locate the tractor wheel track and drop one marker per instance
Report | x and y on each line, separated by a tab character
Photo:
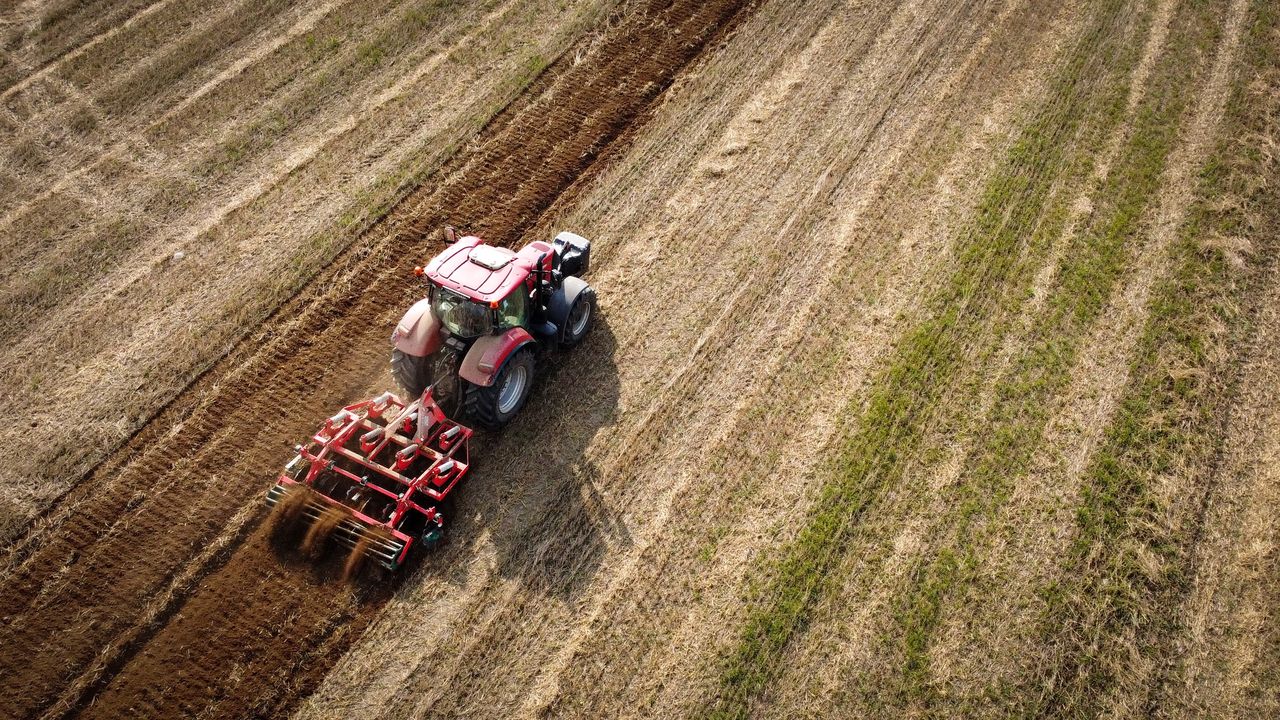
133	596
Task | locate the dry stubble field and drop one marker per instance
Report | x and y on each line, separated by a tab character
936	372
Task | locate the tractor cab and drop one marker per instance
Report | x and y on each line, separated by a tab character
488	312
478	290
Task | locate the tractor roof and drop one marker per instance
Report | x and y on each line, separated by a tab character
483	272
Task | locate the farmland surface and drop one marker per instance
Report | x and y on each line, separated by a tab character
937	370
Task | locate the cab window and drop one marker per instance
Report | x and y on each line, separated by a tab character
513	310
461	316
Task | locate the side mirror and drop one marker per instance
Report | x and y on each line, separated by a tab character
450	235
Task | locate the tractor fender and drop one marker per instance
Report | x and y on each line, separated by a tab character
418	332
487	355
562	300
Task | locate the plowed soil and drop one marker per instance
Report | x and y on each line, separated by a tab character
933	375
152	523
171	180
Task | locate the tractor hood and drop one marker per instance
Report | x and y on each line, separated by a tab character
485	273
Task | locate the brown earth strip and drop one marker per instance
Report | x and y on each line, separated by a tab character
182	236
151	511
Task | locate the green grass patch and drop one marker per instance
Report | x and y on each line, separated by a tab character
370	54
1128	566
1087	277
318	47
995	258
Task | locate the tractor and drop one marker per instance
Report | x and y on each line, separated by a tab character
488	313
378	477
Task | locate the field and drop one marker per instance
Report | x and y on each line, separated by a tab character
936	371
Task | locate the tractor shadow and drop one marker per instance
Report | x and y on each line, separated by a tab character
531	488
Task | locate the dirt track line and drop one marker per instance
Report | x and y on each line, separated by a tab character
81	49
154	614
303	155
1228	644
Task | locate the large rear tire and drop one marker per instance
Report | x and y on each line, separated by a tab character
411	372
493	407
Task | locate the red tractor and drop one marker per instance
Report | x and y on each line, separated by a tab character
488	310
378	476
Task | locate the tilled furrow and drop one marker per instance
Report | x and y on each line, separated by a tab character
252	631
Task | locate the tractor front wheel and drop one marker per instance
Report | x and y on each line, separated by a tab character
581	315
496	405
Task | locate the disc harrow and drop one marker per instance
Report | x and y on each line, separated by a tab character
387	466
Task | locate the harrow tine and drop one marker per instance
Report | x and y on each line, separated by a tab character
328	522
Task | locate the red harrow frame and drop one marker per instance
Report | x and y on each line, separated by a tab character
386	467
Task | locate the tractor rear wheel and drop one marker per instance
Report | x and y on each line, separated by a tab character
411	372
496	405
